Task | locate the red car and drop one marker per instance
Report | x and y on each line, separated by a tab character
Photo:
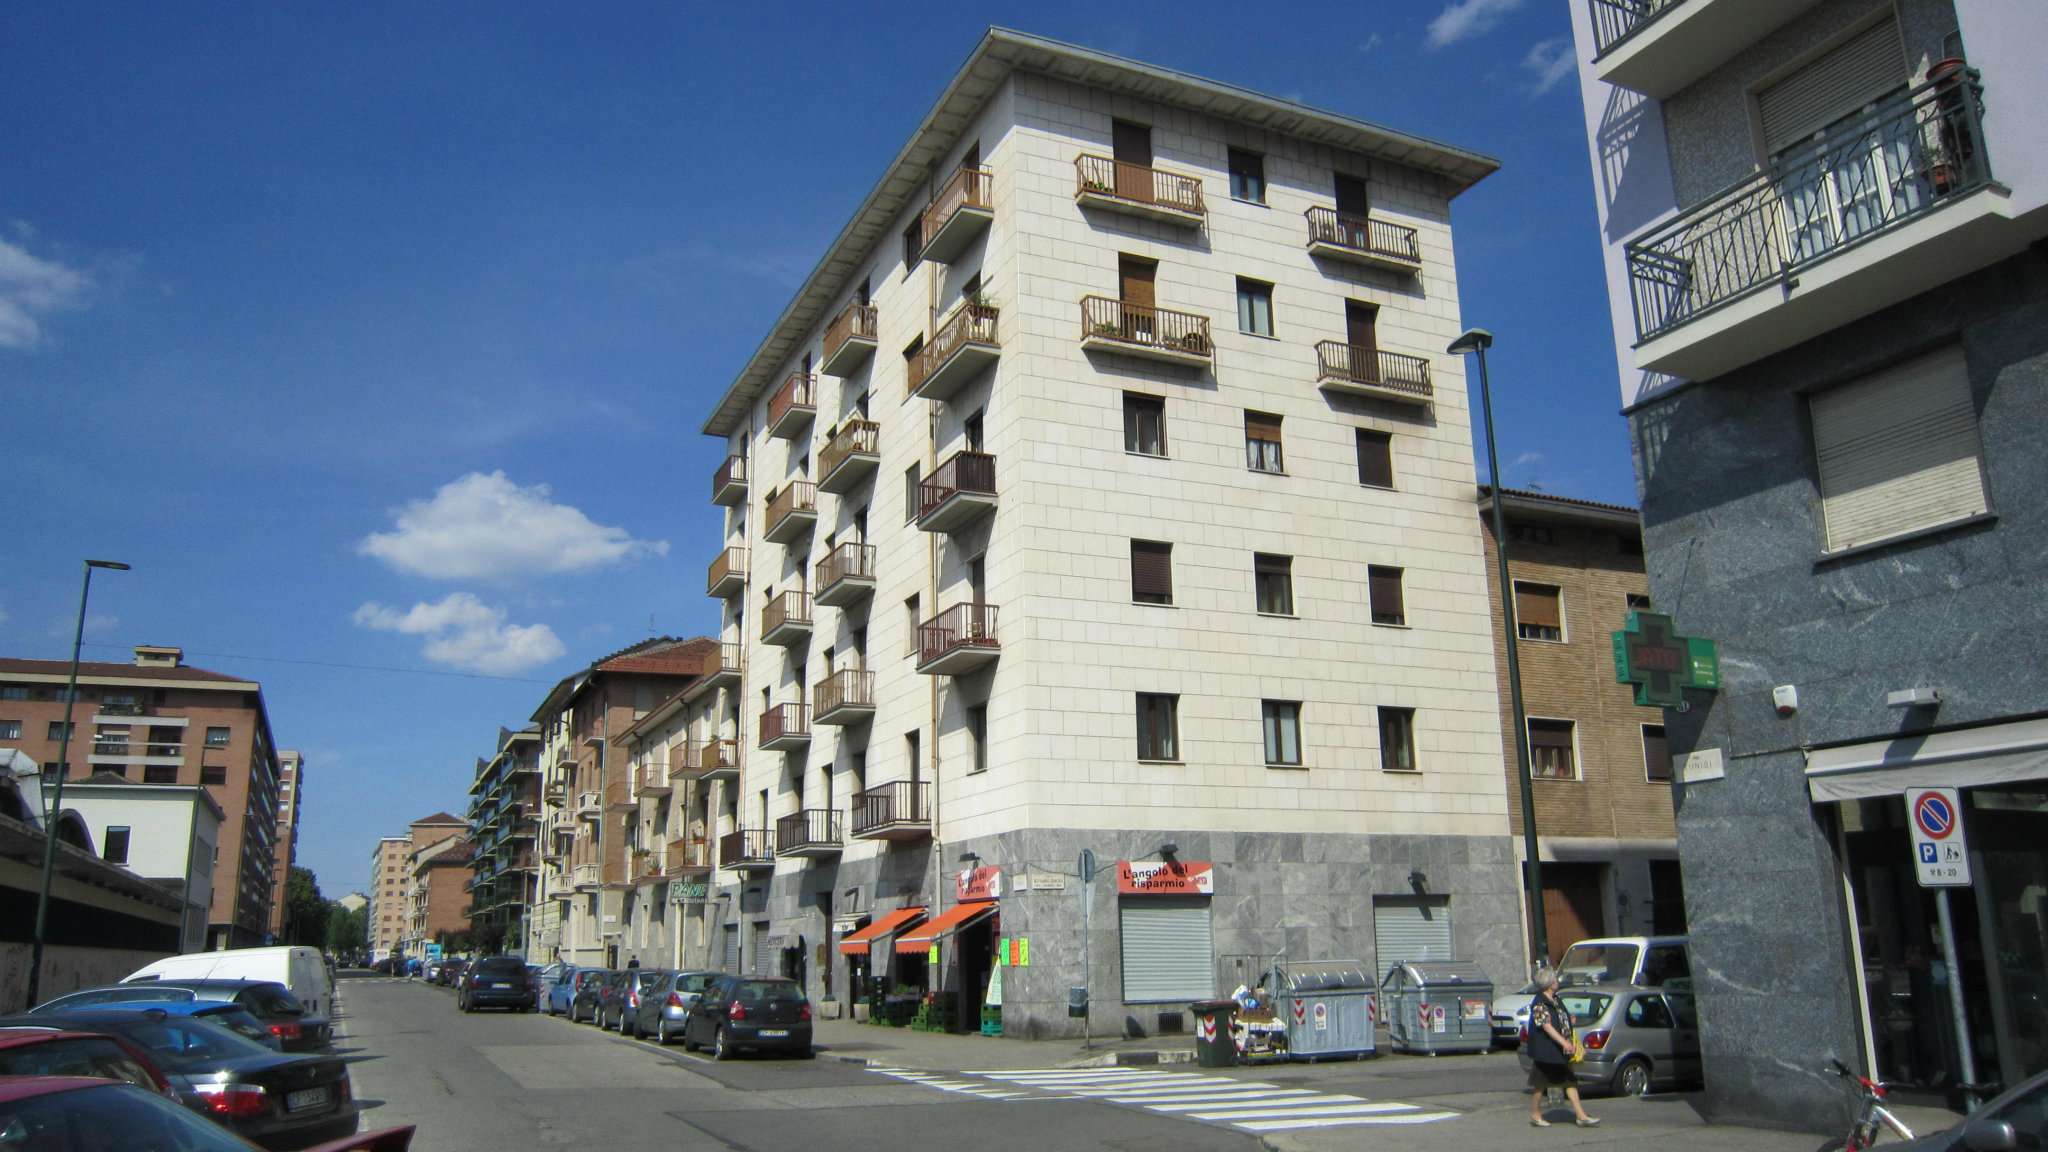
43	1052
65	1113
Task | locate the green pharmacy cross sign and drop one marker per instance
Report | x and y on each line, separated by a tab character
1651	655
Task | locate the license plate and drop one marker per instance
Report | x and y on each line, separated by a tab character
306	1098
496	984
773	1033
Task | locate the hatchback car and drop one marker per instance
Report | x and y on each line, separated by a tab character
268	1001
589	992
557	985
228	1015
46	1051
748	1012
496	982
666	1003
69	1112
1635	1039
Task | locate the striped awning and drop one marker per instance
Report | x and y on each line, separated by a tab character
857	942
947	923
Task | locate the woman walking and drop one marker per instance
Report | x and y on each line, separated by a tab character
1551	1049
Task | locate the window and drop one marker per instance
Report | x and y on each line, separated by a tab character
977	738
1151	572
1158	726
1375	458
1538	614
913	243
911	621
1262	442
1637	602
1397	739
1247	176
213	774
1283	731
1551	756
910	494
1385	586
1254	307
159	774
1144	424
1273	582
1656	755
10	729
216	737
58	730
115	849
1898	452
910	752
16	692
1648	1012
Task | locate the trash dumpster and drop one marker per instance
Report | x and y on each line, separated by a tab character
1437	1006
1214	1047
1328	1007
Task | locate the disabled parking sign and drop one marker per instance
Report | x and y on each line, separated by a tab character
1941	856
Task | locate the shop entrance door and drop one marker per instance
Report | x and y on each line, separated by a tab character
975	945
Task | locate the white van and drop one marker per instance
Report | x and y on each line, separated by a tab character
300	969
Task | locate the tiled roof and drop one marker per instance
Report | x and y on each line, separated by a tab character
108	670
439	818
1486	490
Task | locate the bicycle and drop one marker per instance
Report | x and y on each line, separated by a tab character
1872	1115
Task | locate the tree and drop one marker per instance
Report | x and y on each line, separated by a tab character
305	912
346	929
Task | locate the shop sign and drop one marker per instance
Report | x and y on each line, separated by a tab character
688	890
983	883
846	924
1651	655
1165	878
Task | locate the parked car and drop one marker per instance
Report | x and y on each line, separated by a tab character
634	991
54	1051
451	971
71	1112
557	985
609	990
1644	961
749	1012
268	1001
666	1003
227	1014
1635	1039
301	969
496	982
589	990
2014	1119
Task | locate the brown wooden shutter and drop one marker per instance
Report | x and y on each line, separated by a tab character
1135	276
1260	426
1375	458
1151	570
1385	584
1550	734
1536	604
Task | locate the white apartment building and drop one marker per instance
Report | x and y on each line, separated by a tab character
167	833
1051	502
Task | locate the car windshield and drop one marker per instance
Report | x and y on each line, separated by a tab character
1599	964
191	1042
765	990
93	996
270	1000
239	1021
1585	1007
114	1116
500	967
95	1056
695	981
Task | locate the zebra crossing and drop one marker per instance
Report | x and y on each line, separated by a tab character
1248	1105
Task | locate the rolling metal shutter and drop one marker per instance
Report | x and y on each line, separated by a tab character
732	950
1168	951
757	947
1898	451
1406	928
1864	67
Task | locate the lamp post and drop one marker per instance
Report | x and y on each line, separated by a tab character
55	807
1478	340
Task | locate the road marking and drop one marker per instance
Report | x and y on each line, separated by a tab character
1343	1121
1213	1100
1288	1109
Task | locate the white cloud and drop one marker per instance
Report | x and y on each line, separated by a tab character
1549	61
31	289
485	526
1464	19
1369	43
1528	458
464	632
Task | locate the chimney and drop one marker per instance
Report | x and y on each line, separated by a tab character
158	656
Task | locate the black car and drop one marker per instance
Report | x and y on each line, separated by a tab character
749	1012
268	1001
590	984
273	1098
497	982
450	972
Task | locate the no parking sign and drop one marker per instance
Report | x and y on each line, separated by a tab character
1940	855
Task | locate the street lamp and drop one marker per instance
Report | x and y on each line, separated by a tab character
1478	340
55	807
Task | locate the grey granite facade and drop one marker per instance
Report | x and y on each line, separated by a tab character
1731	526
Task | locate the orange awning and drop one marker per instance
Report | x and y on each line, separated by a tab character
928	934
856	943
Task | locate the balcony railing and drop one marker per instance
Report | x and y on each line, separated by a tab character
793	404
964	473
729	484
589	805
786	617
850	338
856	441
847	567
747	848
727	574
1905	158
588	876
654	778
969	191
791	510
813	831
687	854
785	725
843	693
1362	235
960	631
121	709
719	756
643	865
933	370
1340	364
1137	185
900	807
1617	20
1144	329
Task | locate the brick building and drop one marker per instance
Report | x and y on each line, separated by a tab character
384	922
291	771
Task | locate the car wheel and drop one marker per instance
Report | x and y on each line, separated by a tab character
1633	1078
807	1053
661	1032
689	1045
720	1050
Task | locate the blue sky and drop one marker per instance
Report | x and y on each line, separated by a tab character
377	336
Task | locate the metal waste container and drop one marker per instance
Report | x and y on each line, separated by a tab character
1328	1007
1437	1006
1214	1046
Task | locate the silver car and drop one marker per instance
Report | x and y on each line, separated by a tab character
1635	1039
665	1001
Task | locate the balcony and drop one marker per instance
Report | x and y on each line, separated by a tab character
785	727
963	345
791	512
1897	203
845	697
554	789
618	795
1657	47
957	493
719	760
850	455
849	339
654	779
728	575
687	856
1357	370
898	811
643	865
811	832
1109	325
749	849
960	640
786	619
846	575
794	404
1363	240
959	213
728	669
1136	190
587	877
729	484
589	805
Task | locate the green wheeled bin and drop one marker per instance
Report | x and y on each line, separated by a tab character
1215	1046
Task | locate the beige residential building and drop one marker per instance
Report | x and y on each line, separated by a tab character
385	920
291	784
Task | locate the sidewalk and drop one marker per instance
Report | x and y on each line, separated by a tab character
943	1052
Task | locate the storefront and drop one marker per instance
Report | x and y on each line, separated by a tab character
958	946
871	968
1166	930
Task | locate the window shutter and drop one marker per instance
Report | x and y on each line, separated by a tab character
1151	569
1386	595
1169	951
1537	605
1375	458
1898	451
1406	929
1260	426
1550	734
1868	65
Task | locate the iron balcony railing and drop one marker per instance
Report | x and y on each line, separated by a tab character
795	498
969	188
855	437
687	854
1107	176
1617	20
718	754
1359	364
786	719
963	471
847	560
970	324
746	846
1362	234
966	625
1145	326
901	802
857	322
810	828
1867	175
799	391
730	660
644	865
791	607
844	688
733	471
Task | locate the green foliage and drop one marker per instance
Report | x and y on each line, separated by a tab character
305	911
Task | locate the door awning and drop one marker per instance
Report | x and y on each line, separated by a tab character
857	943
1969	758
949	922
